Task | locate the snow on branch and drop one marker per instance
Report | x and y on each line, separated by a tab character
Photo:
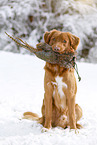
29	19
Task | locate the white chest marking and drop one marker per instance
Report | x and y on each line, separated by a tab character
60	85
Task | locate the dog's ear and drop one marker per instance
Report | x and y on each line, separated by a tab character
48	35
74	41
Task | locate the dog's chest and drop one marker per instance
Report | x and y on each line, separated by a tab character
59	92
60	85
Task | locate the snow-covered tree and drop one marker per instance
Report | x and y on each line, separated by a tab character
29	19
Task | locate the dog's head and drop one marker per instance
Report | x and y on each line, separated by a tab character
61	41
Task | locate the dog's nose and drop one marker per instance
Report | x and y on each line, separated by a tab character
56	48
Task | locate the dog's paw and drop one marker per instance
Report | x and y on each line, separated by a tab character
47	124
79	126
45	129
74	131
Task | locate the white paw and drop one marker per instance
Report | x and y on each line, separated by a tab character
45	129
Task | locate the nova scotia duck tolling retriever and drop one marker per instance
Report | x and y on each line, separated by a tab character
59	107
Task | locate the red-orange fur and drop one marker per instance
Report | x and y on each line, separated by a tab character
52	114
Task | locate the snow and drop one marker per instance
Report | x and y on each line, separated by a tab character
76	16
21	89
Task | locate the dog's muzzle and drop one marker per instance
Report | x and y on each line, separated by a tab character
56	49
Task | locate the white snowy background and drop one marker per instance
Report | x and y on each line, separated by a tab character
29	19
21	89
22	76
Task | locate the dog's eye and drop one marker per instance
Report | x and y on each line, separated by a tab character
54	39
64	41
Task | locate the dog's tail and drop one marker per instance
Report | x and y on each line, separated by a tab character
34	117
30	116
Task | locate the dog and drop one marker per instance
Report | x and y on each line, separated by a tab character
59	107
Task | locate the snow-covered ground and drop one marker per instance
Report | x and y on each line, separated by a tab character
21	89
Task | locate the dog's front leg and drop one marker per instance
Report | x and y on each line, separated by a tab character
71	110
48	100
70	93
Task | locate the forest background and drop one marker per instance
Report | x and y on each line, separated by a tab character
29	19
